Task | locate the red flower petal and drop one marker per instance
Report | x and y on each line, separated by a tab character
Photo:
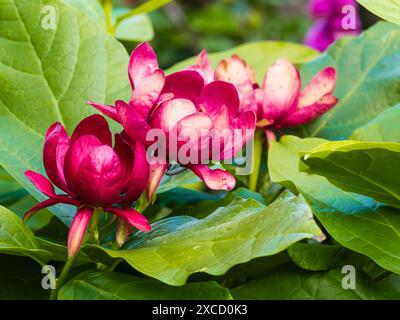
217	94
140	174
109	111
281	86
41	182
94	125
204	66
142	64
217	179
78	228
135	218
186	84
41	205
98	180
236	71
321	85
134	124
55	147
309	113
76	154
145	96
243	128
157	171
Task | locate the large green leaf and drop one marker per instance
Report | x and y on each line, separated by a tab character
317	256
259	55
366	85
368	168
288	283
17	239
233	234
20	279
355	221
384	128
96	285
46	76
386	9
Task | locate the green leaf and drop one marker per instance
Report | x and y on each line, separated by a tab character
20	279
236	233
384	128
206	207
135	29
96	285
17	239
259	55
289	283
355	221
52	73
147	7
368	168
316	256
366	86
91	8
386	9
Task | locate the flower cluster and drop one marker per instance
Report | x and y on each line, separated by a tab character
188	110
279	102
332	20
211	114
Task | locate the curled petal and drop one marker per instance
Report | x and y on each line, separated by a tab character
55	147
321	85
41	205
144	97
167	115
217	94
157	171
41	182
135	218
140	174
134	124
78	228
216	179
94	125
98	181
281	90
186	84
109	111
309	113
142	64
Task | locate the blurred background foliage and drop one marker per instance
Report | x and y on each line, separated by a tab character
183	27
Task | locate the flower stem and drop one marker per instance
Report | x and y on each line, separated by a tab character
108	7
258	147
63	276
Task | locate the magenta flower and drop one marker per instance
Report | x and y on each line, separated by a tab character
278	103
189	111
329	22
92	174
